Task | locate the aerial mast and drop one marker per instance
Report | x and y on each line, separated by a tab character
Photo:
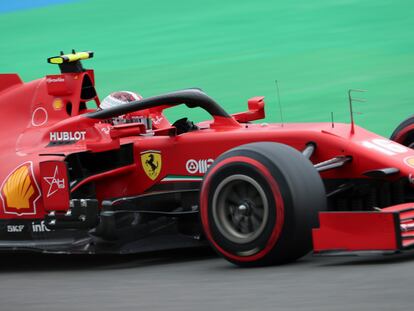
351	100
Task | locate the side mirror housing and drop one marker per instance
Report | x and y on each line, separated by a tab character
129	129
256	110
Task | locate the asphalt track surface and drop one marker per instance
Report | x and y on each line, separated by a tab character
198	280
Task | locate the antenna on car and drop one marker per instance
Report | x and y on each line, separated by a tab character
351	100
332	119
278	99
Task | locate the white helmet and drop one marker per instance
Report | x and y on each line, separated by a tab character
119	98
116	99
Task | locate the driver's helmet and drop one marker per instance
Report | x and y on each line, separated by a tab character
119	98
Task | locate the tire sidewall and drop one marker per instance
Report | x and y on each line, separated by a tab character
295	193
404	133
245	165
281	233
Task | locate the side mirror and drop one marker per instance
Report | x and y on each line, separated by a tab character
256	110
125	130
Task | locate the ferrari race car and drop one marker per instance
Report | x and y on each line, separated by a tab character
74	179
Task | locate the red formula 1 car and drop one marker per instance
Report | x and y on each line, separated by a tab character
77	180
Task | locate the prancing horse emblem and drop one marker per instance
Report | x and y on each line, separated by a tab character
151	163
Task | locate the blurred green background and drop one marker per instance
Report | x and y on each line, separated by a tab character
234	50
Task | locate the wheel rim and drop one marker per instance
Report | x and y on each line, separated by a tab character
240	208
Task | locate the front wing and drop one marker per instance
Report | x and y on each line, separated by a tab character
388	230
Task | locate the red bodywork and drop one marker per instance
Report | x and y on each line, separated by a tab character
47	120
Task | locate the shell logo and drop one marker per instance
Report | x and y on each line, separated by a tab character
20	192
409	161
57	104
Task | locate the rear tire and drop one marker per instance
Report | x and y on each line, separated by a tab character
259	203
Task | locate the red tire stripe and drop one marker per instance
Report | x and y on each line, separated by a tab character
399	138
279	208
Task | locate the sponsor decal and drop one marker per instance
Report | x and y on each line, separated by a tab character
19	191
157	120
67	136
151	161
106	130
385	146
15	228
198	166
39	227
55	80
57	104
39	116
55	183
409	161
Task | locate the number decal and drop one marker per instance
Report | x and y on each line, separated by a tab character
385	146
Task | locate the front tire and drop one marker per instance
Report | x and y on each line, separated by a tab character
259	203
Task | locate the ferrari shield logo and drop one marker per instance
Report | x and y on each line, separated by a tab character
151	163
